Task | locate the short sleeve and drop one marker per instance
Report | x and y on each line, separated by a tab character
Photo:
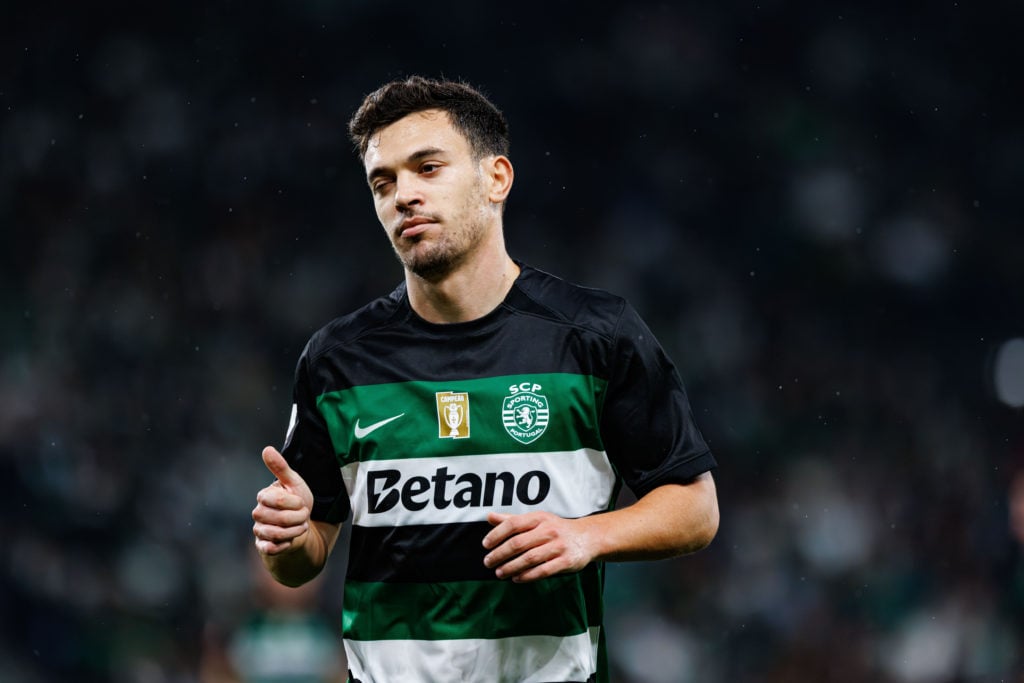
647	425
309	452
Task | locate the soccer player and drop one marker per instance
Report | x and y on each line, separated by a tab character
477	423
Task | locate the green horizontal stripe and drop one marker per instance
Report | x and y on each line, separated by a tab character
574	403
559	606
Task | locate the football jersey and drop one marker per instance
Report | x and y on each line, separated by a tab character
550	402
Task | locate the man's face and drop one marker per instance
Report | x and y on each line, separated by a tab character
430	194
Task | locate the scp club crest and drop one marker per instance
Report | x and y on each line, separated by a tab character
525	413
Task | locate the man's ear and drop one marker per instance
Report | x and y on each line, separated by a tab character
499	174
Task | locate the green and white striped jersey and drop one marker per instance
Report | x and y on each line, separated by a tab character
550	402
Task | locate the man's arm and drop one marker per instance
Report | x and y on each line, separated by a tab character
293	547
669	520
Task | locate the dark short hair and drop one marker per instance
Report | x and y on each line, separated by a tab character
470	112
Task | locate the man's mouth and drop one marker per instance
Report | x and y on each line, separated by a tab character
415	225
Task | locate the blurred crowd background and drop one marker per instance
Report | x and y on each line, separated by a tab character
816	207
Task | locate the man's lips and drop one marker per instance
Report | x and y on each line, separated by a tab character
416	225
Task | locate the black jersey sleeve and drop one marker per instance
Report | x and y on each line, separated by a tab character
646	424
309	451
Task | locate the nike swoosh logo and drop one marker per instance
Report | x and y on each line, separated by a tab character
364	431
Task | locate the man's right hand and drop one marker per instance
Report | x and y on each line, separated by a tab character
282	509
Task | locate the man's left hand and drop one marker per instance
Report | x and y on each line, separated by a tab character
536	545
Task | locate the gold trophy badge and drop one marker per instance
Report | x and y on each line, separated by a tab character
452	414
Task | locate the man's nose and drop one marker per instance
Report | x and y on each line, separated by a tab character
407	194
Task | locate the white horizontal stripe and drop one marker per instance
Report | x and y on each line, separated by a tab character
465	488
527	659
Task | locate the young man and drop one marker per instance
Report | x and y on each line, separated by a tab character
477	423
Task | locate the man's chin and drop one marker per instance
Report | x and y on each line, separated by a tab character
430	267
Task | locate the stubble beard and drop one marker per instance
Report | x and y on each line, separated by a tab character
444	256
435	261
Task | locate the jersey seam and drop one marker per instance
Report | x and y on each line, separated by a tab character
387	324
611	374
556	317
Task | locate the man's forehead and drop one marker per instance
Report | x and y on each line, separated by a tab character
430	126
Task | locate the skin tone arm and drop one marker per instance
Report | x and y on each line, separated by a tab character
670	520
293	547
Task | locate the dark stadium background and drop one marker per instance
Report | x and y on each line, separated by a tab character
816	206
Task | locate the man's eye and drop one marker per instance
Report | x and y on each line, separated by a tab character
429	168
381	186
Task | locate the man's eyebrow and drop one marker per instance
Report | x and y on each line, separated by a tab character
378	171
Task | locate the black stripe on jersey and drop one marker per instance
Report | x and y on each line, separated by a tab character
571	331
422	553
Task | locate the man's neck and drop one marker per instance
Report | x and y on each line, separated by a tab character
471	291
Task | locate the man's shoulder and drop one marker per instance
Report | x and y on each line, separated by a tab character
378	313
543	294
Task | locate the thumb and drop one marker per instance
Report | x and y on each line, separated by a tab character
279	467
